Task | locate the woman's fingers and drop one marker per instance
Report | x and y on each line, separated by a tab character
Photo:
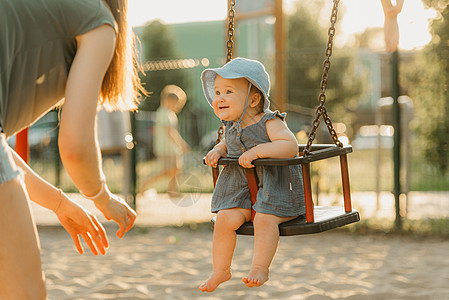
122	223
94	235
121	230
78	221
126	224
76	241
88	239
118	210
132	219
98	243
91	239
101	231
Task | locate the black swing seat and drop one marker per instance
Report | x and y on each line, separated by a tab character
326	218
317	218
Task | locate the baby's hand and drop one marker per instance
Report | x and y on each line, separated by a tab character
213	156
246	158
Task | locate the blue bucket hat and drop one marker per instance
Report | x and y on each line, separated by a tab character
239	67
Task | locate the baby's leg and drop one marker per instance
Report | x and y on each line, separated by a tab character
266	238
228	221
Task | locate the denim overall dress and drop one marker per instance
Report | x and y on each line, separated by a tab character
281	191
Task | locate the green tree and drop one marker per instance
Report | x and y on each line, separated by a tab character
307	42
429	78
158	44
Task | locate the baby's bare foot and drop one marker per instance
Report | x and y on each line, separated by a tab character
215	279
256	277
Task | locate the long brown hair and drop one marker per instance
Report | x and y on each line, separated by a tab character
121	84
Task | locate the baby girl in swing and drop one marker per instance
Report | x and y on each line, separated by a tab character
238	93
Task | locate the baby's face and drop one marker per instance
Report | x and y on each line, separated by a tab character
230	97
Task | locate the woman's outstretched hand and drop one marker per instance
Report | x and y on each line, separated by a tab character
78	221
116	209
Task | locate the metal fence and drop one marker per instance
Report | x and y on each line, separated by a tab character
370	162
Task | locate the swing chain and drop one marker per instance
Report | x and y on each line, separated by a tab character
229	46
321	110
219	135
231	26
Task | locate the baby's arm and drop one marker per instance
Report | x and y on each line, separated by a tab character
214	155
283	144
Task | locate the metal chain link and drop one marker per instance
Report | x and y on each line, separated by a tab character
229	46
321	110
219	135
231	27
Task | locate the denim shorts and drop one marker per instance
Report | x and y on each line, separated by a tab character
8	168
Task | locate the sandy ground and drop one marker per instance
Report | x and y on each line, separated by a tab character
170	263
158	260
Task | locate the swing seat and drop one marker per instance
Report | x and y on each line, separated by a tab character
317	218
326	218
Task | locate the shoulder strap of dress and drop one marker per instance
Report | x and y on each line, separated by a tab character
270	115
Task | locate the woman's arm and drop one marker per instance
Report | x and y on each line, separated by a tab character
75	219
78	144
283	144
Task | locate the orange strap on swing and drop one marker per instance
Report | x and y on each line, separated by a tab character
22	144
253	186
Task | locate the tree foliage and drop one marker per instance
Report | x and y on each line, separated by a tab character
307	42
159	44
429	89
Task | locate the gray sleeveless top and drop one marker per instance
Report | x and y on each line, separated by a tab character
281	189
37	47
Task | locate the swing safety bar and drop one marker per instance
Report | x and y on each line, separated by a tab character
317	218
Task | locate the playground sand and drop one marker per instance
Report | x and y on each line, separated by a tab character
170	263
